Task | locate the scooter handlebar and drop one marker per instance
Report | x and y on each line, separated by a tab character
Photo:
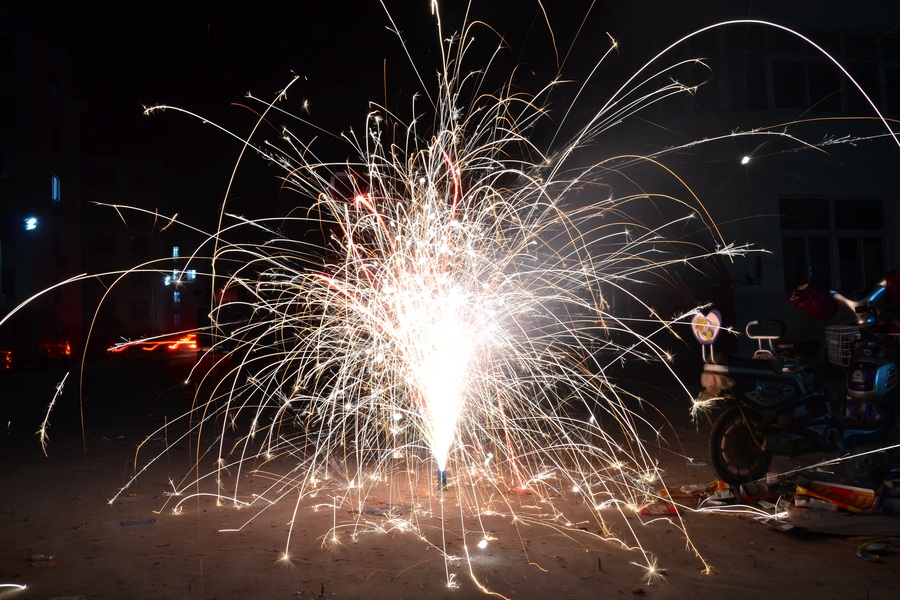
775	323
866	308
823	303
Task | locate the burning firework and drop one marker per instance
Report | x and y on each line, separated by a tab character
446	332
438	331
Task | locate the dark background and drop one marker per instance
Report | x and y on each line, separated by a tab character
204	57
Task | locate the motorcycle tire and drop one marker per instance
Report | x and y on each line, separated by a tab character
734	454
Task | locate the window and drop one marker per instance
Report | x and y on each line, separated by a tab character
140	309
773	69
789	84
7	54
802	78
805	260
178	276
7	110
138	182
802	84
749	87
6	166
8	282
874	62
835	242
176	252
824	87
866	75
890	48
55	189
861	46
176	297
892	89
140	244
99	178
102	243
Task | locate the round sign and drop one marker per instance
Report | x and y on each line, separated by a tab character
706	327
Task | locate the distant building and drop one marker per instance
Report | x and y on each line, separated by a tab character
53	222
146	285
825	212
40	183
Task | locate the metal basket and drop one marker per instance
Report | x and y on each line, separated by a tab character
839	340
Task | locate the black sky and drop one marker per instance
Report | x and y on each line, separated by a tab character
205	56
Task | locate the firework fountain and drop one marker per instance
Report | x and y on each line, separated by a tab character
441	339
434	337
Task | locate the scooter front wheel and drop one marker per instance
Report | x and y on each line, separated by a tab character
733	451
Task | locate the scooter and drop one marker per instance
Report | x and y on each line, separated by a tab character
775	407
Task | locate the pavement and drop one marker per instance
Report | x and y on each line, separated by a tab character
75	524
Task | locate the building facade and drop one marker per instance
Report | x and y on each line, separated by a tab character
782	136
40	154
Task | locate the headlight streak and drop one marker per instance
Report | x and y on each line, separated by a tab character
426	332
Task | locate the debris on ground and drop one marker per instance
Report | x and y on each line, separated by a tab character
658	508
137	522
871	551
859	496
385	509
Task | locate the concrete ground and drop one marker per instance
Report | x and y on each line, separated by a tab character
62	537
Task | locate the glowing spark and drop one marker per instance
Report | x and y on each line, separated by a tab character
653	575
454	313
45	423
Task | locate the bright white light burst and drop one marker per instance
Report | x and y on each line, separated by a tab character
438	304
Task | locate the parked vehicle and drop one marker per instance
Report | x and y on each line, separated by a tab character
774	407
33	338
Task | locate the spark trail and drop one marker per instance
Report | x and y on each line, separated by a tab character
449	321
444	312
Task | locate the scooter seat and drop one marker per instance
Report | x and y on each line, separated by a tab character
759	364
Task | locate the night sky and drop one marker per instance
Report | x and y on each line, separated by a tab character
205	56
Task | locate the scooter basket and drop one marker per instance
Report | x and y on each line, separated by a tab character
839	340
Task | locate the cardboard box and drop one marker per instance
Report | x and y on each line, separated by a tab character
850	498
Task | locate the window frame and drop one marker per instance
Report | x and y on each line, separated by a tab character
830	246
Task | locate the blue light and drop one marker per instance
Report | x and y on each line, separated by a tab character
31	223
